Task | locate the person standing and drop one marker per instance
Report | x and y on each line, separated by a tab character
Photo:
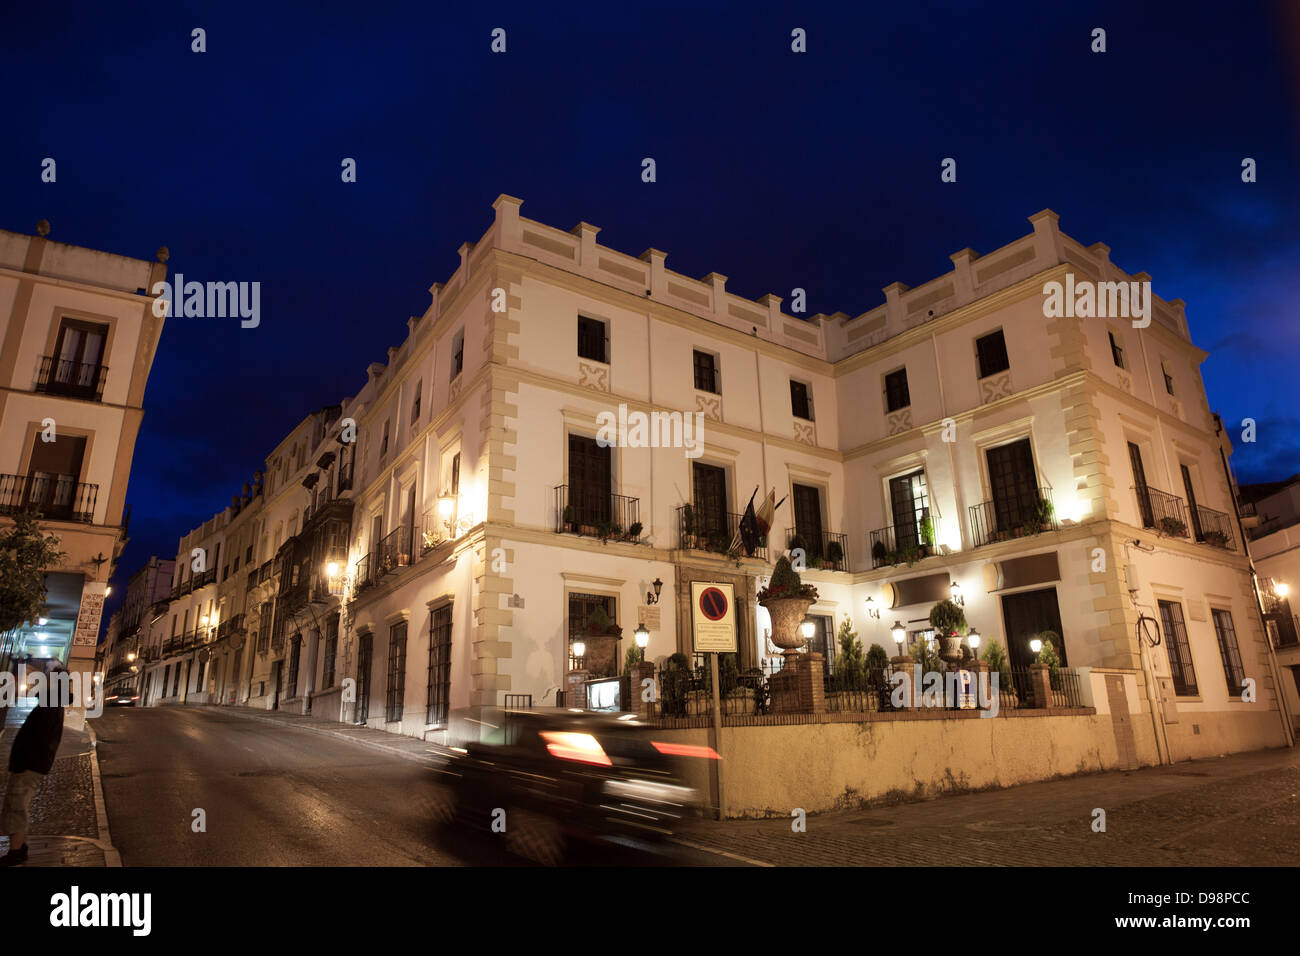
30	760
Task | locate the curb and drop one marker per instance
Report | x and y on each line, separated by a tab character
325	732
112	858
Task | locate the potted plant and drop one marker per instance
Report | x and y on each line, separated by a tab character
797	543
892	559
879	553
787	600
926	534
688	526
634	531
1044	513
1049	656
569	521
1216	538
911	554
835	555
1172	526
949	622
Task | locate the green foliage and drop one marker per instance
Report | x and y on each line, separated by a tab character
877	657
879	552
948	618
728	674
798	543
834	552
635	530
996	658
1048	654
927	655
1045	511
786	583
849	662
677	662
927	531
26	553
633	656
598	623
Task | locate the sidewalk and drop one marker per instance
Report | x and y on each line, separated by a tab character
68	823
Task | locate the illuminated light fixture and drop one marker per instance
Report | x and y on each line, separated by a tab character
1035	645
445	507
1281	589
973	638
580	748
131	656
807	628
579	649
42	621
899	633
108	590
684	750
957	598
642	634
872	611
654	598
332	568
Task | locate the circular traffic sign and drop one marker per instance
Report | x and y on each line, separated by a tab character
713	604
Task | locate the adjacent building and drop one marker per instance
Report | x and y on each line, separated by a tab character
124	648
78	343
569	433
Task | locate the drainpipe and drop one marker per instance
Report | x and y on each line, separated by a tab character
1278	693
1148	671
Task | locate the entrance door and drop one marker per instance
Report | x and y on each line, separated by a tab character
808	518
590	476
1026	616
364	656
1014	484
710	487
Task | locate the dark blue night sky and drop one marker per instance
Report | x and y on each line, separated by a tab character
775	169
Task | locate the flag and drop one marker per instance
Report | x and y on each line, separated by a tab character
754	526
767	513
749	534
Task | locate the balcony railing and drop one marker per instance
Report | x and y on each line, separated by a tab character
55	497
597	514
345	476
712	531
74	379
1213	528
1015	516
826	549
394	550
891	545
363	573
1162	511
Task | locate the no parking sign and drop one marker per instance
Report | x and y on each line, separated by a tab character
713	617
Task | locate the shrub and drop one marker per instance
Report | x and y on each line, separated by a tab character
948	618
879	552
996	658
633	656
877	657
786	583
635	530
834	552
849	662
927	532
677	662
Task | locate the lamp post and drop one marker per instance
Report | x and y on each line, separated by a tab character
579	652
642	635
1035	645
973	639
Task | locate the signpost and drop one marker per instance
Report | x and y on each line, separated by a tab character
713	623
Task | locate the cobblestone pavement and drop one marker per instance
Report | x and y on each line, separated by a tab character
1241	810
64	827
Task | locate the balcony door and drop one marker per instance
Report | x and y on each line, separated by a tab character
1193	511
808	518
53	472
1013	482
78	353
590	480
710	487
908	502
1140	485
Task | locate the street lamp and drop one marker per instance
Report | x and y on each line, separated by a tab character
973	639
1035	645
579	652
642	635
807	628
654	598
899	634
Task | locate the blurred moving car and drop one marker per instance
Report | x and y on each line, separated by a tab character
549	776
121	698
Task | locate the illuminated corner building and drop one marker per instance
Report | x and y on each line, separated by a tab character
78	343
1271	513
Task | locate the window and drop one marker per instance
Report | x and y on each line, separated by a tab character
1028	615
455	474
365	659
590	481
1116	351
74	368
1179	650
601	658
415	406
383	442
457	353
711	527
53	482
396	672
1193	511
264	629
807	504
991	351
800	401
706	372
1228	651
439	691
331	650
1013	482
823	639
1140	485
907	500
593	342
1169	379
248	555
896	393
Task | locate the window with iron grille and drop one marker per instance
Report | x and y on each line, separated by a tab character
264	629
896	394
1229	651
1180	651
800	401
593	339
439	689
1116	351
991	351
415	407
331	650
706	372
396	672
295	654
457	354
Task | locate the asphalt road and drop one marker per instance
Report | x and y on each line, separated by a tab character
276	796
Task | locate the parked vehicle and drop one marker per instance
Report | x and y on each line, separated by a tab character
543	777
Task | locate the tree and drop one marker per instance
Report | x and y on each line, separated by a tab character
849	661
26	553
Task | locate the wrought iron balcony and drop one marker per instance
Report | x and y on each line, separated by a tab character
1213	528
894	544
53	497
1014	516
1161	511
826	549
597	514
73	379
362	573
394	550
712	531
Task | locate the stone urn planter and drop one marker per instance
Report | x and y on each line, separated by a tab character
787	600
949	622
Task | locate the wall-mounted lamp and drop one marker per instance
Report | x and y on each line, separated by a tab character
654	598
957	598
873	612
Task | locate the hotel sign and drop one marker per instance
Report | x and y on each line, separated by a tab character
88	617
713	617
